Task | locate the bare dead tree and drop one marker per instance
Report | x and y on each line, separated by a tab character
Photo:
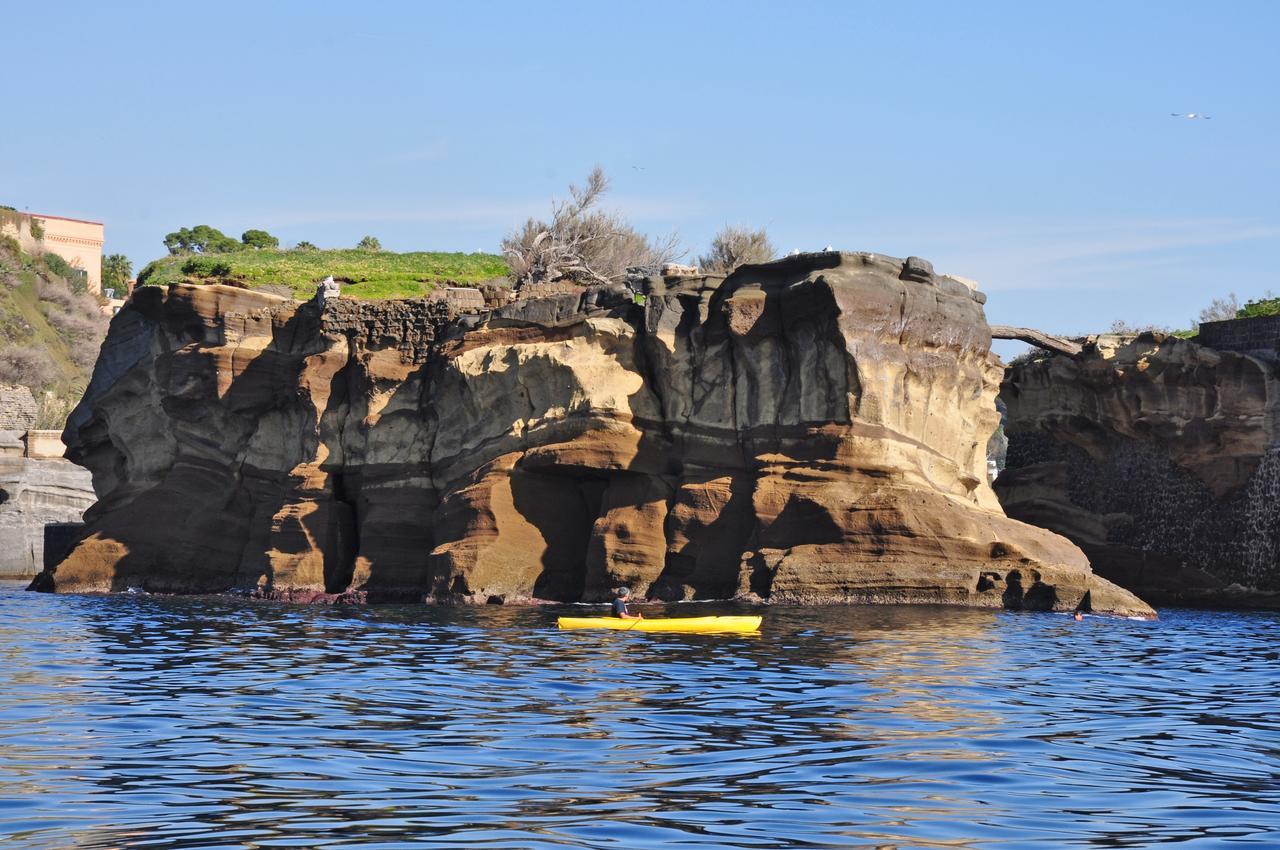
736	246
583	243
1220	309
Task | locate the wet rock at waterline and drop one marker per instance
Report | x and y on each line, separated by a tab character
811	430
1158	457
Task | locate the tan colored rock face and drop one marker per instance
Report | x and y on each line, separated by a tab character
1155	455
812	429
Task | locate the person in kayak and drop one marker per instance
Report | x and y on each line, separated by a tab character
620	605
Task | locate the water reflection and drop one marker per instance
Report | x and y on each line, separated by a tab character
143	722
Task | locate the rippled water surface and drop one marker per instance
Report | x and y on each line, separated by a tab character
156	722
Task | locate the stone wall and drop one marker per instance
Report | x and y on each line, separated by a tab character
461	299
1256	334
18	408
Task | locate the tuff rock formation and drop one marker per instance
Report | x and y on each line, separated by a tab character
812	429
1158	457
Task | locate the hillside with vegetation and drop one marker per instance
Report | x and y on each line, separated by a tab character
50	330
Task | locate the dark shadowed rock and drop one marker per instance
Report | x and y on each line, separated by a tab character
1158	457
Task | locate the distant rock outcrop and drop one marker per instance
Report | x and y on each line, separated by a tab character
812	429
1156	455
33	493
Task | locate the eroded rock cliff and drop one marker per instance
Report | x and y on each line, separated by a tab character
1158	457
813	429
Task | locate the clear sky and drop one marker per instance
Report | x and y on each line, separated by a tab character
1026	145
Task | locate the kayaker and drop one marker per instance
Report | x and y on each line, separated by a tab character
620	605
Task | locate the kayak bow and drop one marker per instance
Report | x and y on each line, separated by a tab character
672	624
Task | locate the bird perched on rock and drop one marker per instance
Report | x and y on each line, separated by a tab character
1191	116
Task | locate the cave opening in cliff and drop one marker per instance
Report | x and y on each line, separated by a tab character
341	535
564	509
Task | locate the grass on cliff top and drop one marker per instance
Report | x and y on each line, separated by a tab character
369	275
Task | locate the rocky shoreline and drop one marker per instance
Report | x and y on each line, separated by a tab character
812	429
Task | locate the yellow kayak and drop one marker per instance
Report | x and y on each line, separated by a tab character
672	624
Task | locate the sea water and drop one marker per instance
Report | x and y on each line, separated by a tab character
137	721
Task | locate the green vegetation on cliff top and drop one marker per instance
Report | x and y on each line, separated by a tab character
1265	306
363	274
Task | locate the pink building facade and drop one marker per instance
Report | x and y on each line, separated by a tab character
75	240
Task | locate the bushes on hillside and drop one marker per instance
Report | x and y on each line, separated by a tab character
84	352
582	243
205	267
51	353
369	243
76	278
25	365
77	325
76	317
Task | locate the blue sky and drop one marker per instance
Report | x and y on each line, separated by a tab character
1026	145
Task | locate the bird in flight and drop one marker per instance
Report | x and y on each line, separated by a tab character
1191	116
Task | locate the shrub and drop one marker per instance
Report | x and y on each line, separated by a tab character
1221	308
25	365
305	246
1267	305
369	243
736	246
1120	326
84	352
37	229
52	412
206	267
59	266
148	270
1031	355
54	293
77	325
582	243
